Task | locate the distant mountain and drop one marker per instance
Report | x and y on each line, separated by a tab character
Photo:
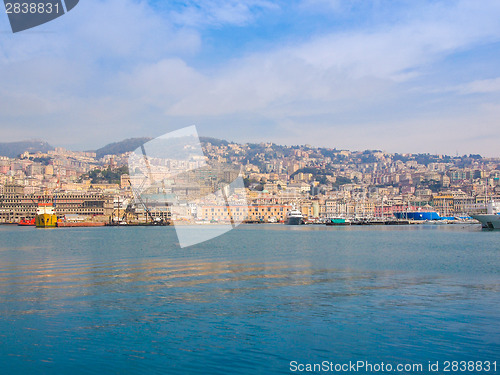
131	144
14	149
214	141
122	147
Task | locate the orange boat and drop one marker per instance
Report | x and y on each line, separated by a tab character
27	222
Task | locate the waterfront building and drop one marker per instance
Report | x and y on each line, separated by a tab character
16	205
222	213
268	213
443	204
307	209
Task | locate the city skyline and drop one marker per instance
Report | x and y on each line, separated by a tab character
323	183
401	77
34	141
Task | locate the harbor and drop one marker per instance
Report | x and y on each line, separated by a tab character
101	210
270	291
259	187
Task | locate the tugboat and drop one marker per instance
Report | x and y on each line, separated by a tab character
294	217
45	216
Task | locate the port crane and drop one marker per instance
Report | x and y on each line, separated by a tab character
148	211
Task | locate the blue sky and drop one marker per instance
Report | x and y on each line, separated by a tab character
401	76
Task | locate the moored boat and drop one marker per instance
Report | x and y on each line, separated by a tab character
294	217
338	221
27	223
397	222
45	216
417	215
491	219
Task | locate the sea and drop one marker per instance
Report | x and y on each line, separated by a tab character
260	299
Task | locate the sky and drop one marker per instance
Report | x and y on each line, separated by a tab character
399	76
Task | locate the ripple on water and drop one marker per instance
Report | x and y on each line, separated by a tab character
217	308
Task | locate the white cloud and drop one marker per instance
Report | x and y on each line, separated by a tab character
321	5
125	31
163	83
482	86
323	75
471	130
129	30
392	50
219	12
122	69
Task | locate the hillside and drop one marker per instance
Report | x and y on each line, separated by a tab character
14	149
121	147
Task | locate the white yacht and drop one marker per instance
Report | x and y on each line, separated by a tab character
294	217
491	219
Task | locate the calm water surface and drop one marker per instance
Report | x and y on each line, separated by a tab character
130	301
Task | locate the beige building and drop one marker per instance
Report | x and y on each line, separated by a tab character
223	213
15	205
268	213
443	204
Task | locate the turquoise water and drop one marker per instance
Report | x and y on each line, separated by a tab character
131	301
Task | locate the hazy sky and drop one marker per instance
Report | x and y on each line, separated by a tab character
402	76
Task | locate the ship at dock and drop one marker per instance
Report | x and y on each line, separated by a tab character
423	215
294	217
45	215
491	219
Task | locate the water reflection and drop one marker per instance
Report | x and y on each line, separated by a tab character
203	281
250	308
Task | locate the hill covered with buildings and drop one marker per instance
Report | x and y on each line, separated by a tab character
323	182
14	149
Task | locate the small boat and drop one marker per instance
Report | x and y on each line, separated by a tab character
359	221
374	221
27	223
338	221
117	223
397	222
